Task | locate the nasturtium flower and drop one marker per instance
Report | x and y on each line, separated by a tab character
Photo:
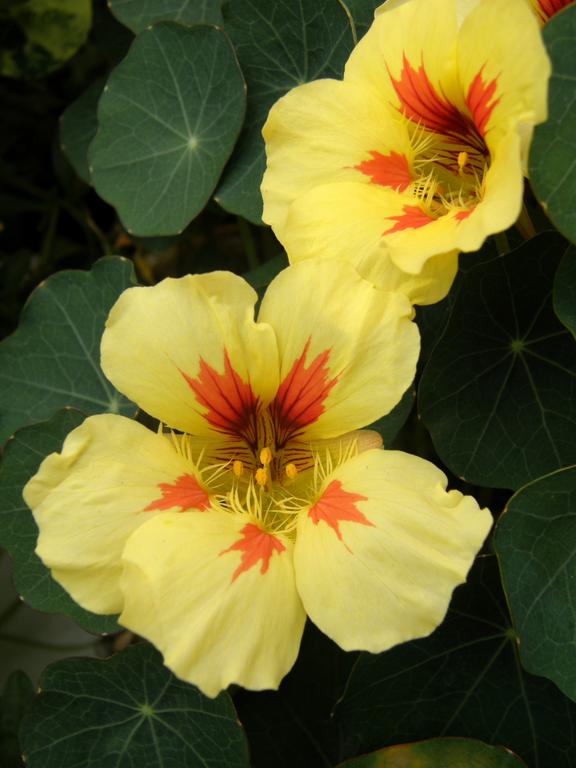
259	499
545	9
418	153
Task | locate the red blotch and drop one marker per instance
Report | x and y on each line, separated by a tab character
549	7
231	404
336	505
255	545
299	401
461	215
391	170
186	493
478	101
413	217
421	103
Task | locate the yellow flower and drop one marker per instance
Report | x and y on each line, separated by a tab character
260	501
418	153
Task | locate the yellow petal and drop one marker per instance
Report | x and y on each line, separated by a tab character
348	351
89	498
347	221
189	352
217	596
379	553
319	133
504	68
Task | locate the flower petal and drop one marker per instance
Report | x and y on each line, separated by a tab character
217	596
379	553
347	221
311	139
112	475
189	352
348	351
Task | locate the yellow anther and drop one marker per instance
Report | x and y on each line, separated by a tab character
238	467
462	161
265	456
261	476
291	470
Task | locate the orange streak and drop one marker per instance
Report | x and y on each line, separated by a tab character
549	7
413	217
186	493
255	545
478	101
231	404
391	170
337	505
299	401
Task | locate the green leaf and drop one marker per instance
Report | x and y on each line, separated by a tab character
139	14
438	753
167	122
262	276
389	426
43	34
565	290
78	126
362	13
53	359
464	680
15	700
497	393
552	168
280	45
535	542
128	711
22	457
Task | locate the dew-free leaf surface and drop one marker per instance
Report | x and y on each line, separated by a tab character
553	152
565	290
536	545
139	14
362	13
167	122
22	456
15	699
53	359
128	711
498	394
465	680
78	126
280	45
438	753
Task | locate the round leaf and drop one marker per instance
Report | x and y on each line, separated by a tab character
280	45
498	392
22	456
168	119
128	711
552	164
16	698
565	290
78	126
47	34
139	14
439	753
362	13
536	546
53	359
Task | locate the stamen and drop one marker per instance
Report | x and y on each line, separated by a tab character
462	161
261	476
291	470
265	456
238	467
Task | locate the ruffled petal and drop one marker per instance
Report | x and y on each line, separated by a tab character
379	553
348	351
347	221
189	352
216	595
111	476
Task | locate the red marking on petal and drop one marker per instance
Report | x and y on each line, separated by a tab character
299	401
413	217
461	215
256	545
421	103
478	101
336	505
547	8
231	404
391	170
186	493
